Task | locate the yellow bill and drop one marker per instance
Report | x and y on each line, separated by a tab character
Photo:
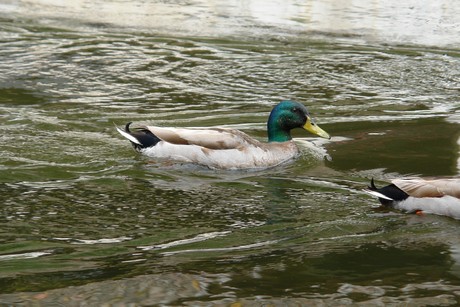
315	129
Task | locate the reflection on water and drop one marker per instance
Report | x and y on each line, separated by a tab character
426	22
391	143
85	220
313	281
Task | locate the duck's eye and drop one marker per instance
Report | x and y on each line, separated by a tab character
296	110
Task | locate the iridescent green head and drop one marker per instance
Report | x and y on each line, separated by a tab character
288	115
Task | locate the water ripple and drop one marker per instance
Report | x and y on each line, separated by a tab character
29	255
198	238
79	206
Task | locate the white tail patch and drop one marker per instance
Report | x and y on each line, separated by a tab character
377	194
128	136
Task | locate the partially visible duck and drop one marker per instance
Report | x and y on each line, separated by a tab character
221	148
439	196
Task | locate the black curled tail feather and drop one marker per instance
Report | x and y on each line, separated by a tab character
372	187
127	130
145	138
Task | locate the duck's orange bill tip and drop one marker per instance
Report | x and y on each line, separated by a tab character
419	212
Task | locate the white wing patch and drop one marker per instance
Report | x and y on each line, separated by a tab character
377	194
128	136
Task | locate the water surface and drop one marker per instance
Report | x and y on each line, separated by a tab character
85	220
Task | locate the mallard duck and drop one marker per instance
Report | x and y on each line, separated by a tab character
439	196
223	148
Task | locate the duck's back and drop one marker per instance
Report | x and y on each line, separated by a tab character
426	187
212	138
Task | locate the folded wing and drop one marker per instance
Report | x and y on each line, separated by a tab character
418	187
213	138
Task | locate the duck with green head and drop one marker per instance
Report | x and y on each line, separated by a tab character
223	148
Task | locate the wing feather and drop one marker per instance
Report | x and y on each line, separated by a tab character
420	187
213	138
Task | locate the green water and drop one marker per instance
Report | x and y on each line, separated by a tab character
87	221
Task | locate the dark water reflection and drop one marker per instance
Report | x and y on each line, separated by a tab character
85	220
430	144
